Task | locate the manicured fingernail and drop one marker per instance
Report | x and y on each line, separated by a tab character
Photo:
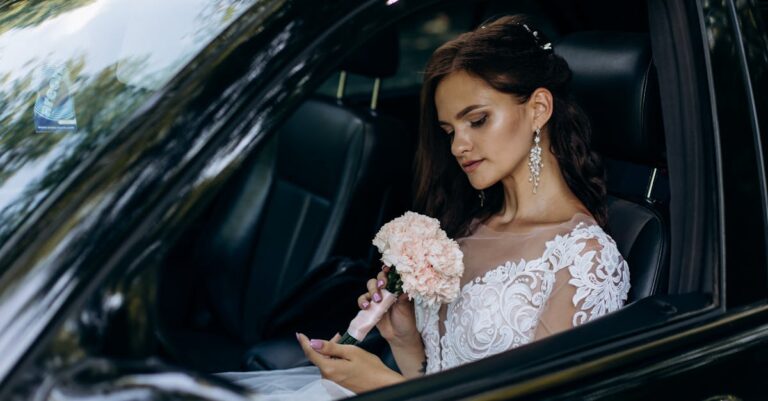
376	297
380	283
315	344
365	304
297	336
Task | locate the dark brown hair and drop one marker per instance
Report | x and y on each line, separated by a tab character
510	58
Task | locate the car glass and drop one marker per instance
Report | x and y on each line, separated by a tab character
73	71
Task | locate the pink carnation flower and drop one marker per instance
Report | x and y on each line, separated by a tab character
428	262
427	266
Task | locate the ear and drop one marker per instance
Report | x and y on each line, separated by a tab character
541	103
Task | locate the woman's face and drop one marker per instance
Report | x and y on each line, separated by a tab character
491	131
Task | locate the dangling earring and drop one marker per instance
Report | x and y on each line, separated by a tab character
534	161
481	195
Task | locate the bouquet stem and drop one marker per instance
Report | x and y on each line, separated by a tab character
348	339
366	319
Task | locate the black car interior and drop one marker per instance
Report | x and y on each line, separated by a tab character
322	186
285	246
614	81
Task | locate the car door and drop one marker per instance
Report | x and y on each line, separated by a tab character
191	138
80	273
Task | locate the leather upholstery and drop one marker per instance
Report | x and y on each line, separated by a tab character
614	81
280	217
320	187
643	241
319	152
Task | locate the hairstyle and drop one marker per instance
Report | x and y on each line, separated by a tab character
508	56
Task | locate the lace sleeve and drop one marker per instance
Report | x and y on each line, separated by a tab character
595	282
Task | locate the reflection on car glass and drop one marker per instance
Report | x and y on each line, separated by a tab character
77	73
54	106
156	47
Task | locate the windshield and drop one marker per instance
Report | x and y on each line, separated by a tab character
73	71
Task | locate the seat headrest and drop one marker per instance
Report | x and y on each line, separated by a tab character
614	81
378	57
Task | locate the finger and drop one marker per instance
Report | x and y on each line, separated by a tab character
363	301
381	279
385	268
371	286
373	290
335	338
332	349
315	357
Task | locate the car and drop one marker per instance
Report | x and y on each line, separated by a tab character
184	184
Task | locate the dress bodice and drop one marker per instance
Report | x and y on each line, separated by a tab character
521	287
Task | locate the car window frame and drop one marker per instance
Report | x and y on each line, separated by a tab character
749	22
244	116
742	171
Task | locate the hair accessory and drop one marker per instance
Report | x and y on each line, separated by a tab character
546	46
534	161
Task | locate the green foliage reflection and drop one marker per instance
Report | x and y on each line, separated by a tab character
23	14
102	103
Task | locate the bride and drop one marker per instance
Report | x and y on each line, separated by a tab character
503	162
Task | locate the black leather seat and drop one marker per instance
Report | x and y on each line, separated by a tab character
320	187
614	80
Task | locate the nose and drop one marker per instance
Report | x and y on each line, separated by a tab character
461	143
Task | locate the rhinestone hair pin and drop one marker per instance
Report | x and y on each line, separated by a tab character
545	46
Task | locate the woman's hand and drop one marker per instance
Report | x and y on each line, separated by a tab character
398	325
348	365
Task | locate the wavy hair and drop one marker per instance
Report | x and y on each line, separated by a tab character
511	59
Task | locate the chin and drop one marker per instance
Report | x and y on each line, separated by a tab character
480	184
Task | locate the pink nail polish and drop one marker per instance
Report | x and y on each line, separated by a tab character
365	304
380	283
297	336
315	344
376	297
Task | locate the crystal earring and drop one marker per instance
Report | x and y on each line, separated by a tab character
481	195
534	161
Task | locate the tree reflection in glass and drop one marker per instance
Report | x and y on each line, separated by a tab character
116	53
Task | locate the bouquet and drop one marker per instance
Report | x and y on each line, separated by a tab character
424	263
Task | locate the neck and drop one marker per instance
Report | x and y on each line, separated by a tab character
553	200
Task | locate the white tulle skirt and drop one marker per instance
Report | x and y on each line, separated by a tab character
302	383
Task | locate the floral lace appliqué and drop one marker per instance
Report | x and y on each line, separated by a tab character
500	310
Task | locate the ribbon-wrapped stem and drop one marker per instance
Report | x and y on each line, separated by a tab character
366	319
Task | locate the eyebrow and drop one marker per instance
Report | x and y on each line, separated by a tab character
464	112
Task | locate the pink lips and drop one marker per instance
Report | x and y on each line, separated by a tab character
471	166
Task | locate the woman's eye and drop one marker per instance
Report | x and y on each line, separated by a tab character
478	123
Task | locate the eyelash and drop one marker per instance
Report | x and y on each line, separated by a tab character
478	123
473	124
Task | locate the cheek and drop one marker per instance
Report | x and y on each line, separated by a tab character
511	142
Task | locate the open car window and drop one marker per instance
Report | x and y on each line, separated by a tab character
297	202
279	219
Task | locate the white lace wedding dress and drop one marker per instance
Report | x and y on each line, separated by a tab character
517	288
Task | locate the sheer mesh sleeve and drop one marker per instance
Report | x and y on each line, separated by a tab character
520	286
594	282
